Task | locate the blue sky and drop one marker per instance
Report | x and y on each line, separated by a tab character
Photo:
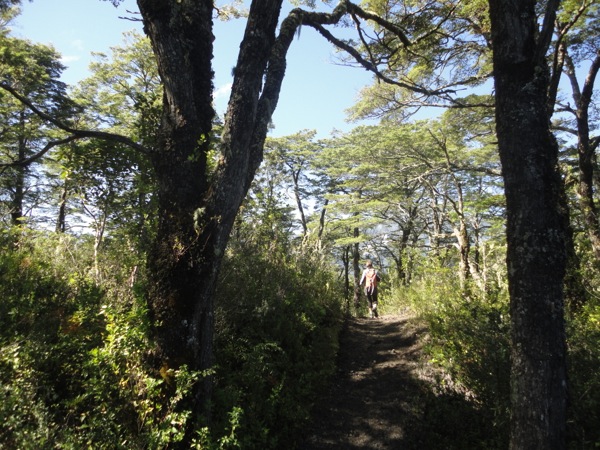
315	93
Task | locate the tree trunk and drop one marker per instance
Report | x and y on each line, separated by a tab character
20	174
536	225
464	247
195	218
100	225
297	197
322	222
401	256
461	234
585	149
356	269
346	263
16	208
61	219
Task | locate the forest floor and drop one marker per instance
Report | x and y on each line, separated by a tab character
386	395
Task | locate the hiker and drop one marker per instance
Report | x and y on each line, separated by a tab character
370	278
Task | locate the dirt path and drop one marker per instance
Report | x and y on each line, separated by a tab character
385	395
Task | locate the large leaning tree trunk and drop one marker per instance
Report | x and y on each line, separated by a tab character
195	216
197	210
536	224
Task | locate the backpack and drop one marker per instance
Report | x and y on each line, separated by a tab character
371	279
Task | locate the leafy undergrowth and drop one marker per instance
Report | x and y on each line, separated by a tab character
278	325
74	368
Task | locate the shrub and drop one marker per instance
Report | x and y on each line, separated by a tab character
49	322
74	350
583	338
469	338
278	319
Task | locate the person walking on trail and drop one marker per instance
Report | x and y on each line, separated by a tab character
370	278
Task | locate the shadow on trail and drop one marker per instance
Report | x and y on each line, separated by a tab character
385	397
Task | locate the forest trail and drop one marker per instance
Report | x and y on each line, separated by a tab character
385	395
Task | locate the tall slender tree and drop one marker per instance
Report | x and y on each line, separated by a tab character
578	43
294	155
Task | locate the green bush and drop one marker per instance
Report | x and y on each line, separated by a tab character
74	347
49	322
583	338
278	320
469	338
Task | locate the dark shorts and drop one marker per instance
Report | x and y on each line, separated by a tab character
371	295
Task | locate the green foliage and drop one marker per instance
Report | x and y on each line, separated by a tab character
48	322
204	440
583	338
74	360
469	338
33	70
110	183
278	317
449	53
71	364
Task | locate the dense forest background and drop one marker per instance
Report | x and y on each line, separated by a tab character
424	199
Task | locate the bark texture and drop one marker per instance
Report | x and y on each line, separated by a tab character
181	36
196	209
536	225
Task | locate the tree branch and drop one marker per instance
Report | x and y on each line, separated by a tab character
317	20
76	134
355	9
590	79
594	143
372	68
572	131
25	162
545	35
